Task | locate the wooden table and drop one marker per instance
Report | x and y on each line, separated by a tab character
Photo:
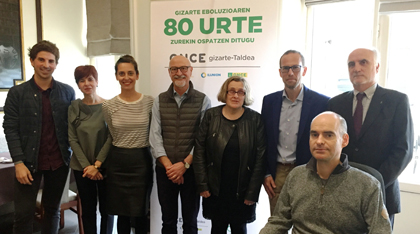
7	175
7	178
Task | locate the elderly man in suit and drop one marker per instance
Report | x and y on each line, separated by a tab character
379	124
287	116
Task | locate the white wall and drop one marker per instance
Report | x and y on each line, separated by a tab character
407	222
29	34
63	25
140	15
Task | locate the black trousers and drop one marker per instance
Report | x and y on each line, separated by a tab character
220	226
168	193
124	224
90	191
25	200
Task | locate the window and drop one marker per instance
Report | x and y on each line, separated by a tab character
108	86
335	31
402	59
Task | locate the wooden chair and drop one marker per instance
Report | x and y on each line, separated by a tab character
69	201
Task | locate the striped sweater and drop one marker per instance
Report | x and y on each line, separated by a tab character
129	122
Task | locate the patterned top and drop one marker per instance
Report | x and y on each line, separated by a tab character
129	122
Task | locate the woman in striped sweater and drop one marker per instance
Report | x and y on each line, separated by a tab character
130	171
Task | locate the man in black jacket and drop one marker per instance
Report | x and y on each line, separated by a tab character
35	125
379	124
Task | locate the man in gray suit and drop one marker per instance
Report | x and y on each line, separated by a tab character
379	124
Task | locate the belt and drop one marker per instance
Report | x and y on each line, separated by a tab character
287	164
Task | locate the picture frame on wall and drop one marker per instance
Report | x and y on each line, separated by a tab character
11	47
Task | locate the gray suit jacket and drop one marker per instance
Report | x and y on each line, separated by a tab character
386	138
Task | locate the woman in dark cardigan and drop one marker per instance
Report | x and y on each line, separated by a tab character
229	159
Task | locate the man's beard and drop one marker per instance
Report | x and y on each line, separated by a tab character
180	81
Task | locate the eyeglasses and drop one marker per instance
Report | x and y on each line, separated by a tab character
295	68
183	69
240	93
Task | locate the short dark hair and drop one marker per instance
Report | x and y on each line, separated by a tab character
44	46
293	52
127	59
84	71
223	90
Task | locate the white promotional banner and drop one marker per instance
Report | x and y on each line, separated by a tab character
221	39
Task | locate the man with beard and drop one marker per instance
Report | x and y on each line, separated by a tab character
176	115
380	124
287	116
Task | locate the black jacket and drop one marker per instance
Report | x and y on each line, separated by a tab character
210	145
23	119
386	139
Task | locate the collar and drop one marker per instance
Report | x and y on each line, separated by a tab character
171	90
175	93
299	97
40	89
340	168
369	91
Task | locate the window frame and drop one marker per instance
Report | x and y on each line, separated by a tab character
380	40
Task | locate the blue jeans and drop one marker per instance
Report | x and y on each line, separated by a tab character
25	201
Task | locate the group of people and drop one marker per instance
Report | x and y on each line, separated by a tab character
297	149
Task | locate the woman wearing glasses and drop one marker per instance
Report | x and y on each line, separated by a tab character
229	159
88	138
130	171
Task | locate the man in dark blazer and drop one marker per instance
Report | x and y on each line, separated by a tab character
385	138
287	116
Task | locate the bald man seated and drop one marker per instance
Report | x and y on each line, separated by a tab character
327	195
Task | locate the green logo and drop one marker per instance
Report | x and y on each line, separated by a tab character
241	74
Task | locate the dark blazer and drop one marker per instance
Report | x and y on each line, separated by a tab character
386	138
313	104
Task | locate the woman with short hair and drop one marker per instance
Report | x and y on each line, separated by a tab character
88	138
229	160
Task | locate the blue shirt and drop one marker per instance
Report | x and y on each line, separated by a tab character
289	127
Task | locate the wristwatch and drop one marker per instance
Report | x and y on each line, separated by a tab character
186	165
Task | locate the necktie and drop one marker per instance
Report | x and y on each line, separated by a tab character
358	113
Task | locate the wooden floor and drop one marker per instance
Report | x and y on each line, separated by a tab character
70	225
